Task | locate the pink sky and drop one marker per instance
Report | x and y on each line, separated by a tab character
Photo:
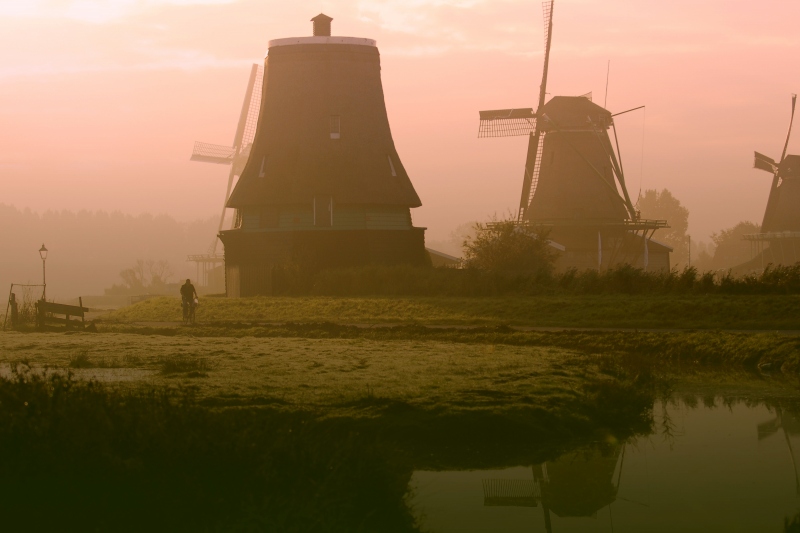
101	101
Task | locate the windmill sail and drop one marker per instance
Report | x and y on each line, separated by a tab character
789	133
213	153
533	160
763	162
236	155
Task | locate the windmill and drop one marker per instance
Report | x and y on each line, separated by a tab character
324	186
574	184
236	157
780	229
576	484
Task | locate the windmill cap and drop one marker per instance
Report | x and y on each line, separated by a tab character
322	35
322	25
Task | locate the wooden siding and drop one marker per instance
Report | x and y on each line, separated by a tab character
250	257
344	218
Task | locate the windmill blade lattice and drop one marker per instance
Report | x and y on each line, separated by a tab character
213	153
789	133
506	123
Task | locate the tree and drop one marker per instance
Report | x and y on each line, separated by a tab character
143	276
159	272
664	206
732	250
504	246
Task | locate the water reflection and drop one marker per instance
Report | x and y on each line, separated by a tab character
787	424
708	466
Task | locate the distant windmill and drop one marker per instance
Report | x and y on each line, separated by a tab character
236	156
781	226
574	183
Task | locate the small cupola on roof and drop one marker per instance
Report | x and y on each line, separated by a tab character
322	25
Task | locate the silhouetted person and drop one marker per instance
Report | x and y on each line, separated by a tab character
188	293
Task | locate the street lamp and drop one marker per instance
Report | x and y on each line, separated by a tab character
43	255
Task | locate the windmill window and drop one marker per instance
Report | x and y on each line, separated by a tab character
323	211
391	165
261	173
336	126
552	157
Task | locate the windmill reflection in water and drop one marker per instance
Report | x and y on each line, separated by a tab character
577	484
789	425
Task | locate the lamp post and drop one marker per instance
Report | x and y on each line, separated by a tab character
43	255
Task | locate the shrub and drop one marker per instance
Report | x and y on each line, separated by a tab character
505	246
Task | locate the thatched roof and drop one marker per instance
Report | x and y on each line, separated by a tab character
294	156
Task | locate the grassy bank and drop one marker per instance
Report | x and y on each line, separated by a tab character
762	312
713	349
332	377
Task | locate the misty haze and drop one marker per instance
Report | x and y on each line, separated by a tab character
441	266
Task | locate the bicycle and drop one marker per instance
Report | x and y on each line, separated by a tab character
189	311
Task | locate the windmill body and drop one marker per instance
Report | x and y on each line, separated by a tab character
778	243
783	211
324	185
574	183
576	179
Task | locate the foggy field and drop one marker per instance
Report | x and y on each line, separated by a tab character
767	312
334	375
346	370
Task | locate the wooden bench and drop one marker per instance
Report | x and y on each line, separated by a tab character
45	311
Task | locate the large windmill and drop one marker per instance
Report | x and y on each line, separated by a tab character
234	156
780	231
324	186
574	184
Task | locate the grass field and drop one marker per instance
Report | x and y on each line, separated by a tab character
756	312
335	376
